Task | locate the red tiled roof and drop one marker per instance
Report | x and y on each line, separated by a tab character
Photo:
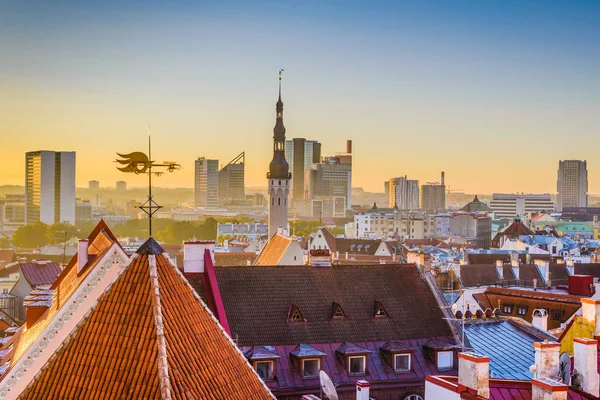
273	250
148	336
37	274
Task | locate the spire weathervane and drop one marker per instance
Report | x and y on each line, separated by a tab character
140	163
280	74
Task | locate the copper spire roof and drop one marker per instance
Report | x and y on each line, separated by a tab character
279	168
149	336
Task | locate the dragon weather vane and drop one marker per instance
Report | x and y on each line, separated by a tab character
140	163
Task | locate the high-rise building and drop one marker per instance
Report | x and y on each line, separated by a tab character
121	186
231	180
206	187
278	176
50	187
433	195
331	178
94	185
509	206
404	193
301	154
572	184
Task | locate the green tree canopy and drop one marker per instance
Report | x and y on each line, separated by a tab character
32	236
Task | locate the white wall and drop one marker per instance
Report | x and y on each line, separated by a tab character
436	392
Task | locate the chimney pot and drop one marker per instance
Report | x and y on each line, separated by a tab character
362	390
548	389
590	309
546	359
193	255
540	319
473	373
82	254
586	364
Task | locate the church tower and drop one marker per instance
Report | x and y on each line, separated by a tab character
278	175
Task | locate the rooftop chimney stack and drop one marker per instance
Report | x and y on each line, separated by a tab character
590	310
473	373
548	389
362	390
349	146
586	364
540	319
500	269
193	255
82	254
546	359
443	182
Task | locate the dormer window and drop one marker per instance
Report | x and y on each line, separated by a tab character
379	311
445	360
402	362
294	314
264	370
336	312
311	367
356	365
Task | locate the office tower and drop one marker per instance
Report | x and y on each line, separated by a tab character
331	178
231	180
94	185
509	206
301	154
50	187
121	186
278	176
206	187
404	193
572	184
433	195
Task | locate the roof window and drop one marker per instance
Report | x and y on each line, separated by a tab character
294	314
379	311
337	312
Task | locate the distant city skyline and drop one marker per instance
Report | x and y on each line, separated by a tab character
495	94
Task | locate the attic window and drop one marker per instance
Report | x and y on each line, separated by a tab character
337	312
379	311
264	370
294	314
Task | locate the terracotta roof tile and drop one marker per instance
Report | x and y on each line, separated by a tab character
114	350
273	250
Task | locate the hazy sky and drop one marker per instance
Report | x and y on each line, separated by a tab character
494	93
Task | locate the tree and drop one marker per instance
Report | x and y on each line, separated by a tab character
32	236
60	232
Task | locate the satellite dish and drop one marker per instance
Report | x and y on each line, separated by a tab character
564	368
327	386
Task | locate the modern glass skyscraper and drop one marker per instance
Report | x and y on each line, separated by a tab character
301	154
572	184
206	184
50	187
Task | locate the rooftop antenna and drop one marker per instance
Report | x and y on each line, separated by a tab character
140	163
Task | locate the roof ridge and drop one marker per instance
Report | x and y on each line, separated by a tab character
163	365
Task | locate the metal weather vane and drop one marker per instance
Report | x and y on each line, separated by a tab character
140	163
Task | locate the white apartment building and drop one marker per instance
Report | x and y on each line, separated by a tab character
572	184
50	187
509	206
403	193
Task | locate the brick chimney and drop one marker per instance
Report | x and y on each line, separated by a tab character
82	254
473	373
362	390
546	359
193	255
514	259
500	269
586	364
590	309
544	268
548	389
570	267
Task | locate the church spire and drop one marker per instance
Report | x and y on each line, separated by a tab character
279	168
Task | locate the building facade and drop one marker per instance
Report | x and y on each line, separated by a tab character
94	185
278	176
232	181
121	186
301	154
50	187
433	197
206	187
572	184
403	193
509	206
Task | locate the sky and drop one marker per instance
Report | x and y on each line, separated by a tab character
493	93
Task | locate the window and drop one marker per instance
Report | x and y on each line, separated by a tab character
522	310
557	315
310	368
507	309
379	311
264	370
413	397
356	365
445	360
279	201
402	362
